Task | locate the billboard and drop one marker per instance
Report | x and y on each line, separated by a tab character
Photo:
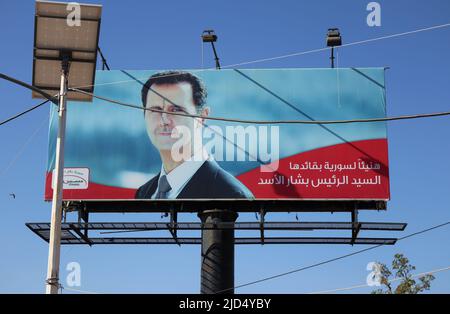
172	150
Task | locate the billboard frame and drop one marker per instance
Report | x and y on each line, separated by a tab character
241	205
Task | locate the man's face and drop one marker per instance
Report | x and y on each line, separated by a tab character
161	125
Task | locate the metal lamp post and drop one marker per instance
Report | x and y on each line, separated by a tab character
64	54
334	39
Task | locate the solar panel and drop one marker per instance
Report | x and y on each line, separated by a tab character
55	34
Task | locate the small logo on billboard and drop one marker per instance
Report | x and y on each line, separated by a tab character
74	179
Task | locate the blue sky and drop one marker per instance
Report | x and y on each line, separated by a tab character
138	35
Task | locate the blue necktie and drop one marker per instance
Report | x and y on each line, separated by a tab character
163	188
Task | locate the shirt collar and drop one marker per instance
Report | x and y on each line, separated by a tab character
179	176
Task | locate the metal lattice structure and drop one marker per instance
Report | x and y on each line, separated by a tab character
78	233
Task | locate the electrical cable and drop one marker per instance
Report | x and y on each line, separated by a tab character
298	53
390	281
295	54
329	261
332	259
404	117
33	88
22	148
24	112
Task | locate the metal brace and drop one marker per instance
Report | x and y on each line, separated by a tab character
356	226
83	214
172	226
80	234
262	213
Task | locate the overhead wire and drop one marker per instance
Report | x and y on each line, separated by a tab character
23	112
389	281
331	260
404	117
53	99
30	87
296	53
22	148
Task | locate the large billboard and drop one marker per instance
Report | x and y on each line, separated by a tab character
171	150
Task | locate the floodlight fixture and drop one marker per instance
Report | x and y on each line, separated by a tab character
334	39
64	55
209	36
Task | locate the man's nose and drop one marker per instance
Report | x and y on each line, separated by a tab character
165	119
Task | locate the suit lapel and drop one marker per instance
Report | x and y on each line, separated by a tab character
152	186
197	185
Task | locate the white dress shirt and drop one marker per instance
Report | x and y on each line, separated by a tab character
180	176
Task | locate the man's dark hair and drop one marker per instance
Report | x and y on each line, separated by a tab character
199	92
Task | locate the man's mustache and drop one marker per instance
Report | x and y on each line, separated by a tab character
171	130
164	130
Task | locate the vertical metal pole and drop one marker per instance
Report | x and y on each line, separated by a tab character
215	56
217	264
332	57
52	282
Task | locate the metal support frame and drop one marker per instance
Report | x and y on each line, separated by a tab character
82	235
71	232
262	215
332	57
216	58
172	226
83	215
239	205
217	229
104	63
356	226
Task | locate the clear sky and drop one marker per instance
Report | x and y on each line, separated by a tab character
144	35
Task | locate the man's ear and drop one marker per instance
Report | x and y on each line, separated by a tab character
204	113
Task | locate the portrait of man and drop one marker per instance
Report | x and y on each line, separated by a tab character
196	175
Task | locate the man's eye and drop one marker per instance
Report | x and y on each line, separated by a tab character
178	109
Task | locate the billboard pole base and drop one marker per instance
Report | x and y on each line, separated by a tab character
217	259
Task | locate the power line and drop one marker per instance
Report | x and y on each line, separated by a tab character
333	259
22	148
24	112
326	262
295	54
405	117
390	281
33	88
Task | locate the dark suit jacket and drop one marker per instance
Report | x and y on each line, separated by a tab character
210	181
